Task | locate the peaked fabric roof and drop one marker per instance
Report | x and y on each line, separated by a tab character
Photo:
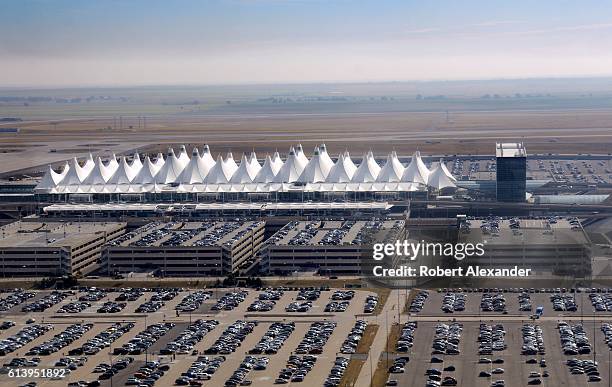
368	170
112	164
171	169
51	178
146	174
76	174
416	171
222	171
392	171
100	173
246	172
317	169
195	171
207	157
440	177
269	170
327	161
136	163
124	174
159	161
291	169
89	164
277	161
183	157
342	171
299	152
254	163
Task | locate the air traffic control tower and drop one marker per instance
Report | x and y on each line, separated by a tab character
511	171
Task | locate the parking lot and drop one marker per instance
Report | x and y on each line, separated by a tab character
126	327
513	347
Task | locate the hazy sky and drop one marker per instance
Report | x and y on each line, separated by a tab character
80	42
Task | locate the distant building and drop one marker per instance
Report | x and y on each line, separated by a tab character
184	249
326	247
37	249
511	172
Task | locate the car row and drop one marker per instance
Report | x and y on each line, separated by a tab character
601	302
93	295
203	368
55	297
271	294
493	302
337	306
111	307
295	306
308	294
524	300
354	337
148	374
61	340
447	339
261	306
336	373
274	338
129	294
102	340
533	340
14	299
418	302
371	302
23	337
249	363
74	307
406	337
316	337
232	337
343	295
563	303
150	306
491	338
296	369
453	302
193	301
187	339
230	300
574	339
107	371
144	339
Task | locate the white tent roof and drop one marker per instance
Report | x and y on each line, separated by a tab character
159	162
299	152
146	174
76	174
317	169
327	161
124	174
254	163
392	171
277	162
268	171
246	172
223	170
51	178
368	170
100	174
196	170
136	163
416	171
440	177
342	171
209	161
89	164
291	169
112	164
171	169
183	157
